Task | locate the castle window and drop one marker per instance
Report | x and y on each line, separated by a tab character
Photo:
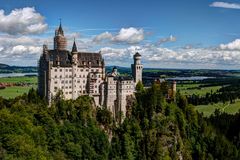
70	87
70	81
70	92
78	81
56	76
55	70
96	86
66	81
66	93
66	70
55	82
60	70
87	70
70	70
66	87
81	70
92	70
55	88
60	76
62	81
80	76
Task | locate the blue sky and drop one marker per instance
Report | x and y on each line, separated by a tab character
168	33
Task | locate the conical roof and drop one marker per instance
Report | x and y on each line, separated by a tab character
74	47
60	30
137	55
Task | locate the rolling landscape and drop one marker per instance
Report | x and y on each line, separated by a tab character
119	80
185	84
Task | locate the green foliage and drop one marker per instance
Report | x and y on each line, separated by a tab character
155	129
139	87
67	130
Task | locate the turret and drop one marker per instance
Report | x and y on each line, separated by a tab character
114	71
60	42
137	68
74	47
74	53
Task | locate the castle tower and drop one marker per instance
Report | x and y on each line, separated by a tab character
60	42
137	68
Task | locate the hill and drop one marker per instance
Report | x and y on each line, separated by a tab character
153	129
4	68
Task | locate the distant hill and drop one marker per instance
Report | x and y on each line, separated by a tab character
3	65
4	68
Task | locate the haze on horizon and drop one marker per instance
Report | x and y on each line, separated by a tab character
169	34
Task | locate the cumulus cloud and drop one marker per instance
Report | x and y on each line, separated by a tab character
129	35
225	5
171	38
125	35
22	21
20	50
102	37
234	45
154	56
73	35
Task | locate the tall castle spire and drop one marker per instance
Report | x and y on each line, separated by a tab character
60	42
60	30
74	47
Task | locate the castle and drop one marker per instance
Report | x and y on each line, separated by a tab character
77	73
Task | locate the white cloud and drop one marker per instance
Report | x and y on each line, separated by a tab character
234	45
171	38
102	37
130	35
225	5
125	35
22	21
73	35
20	50
154	56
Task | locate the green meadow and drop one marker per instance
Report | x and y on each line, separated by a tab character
186	89
207	110
23	79
14	91
189	89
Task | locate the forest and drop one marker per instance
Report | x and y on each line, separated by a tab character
153	129
229	92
